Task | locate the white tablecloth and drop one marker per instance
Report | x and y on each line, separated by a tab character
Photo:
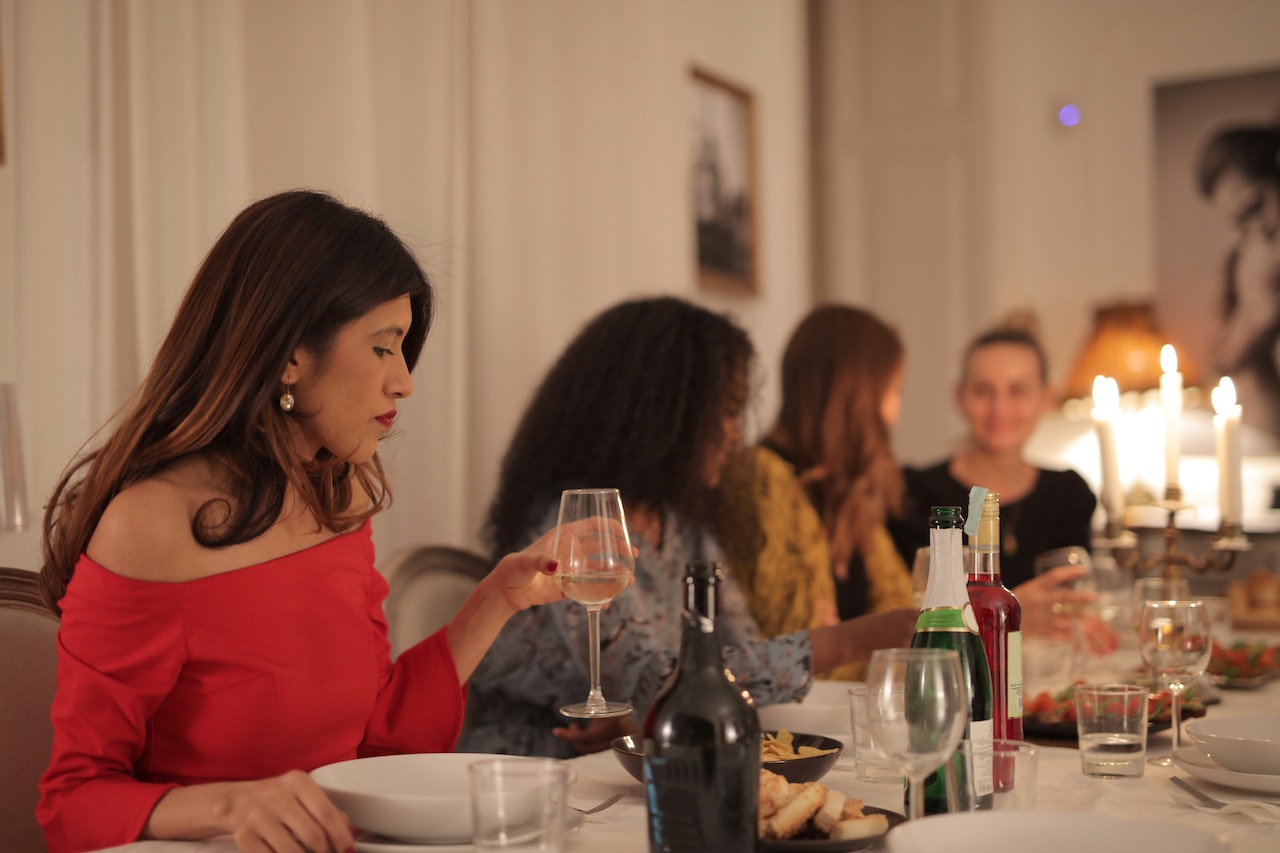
1061	787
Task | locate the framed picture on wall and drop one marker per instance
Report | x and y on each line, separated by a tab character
1217	173
725	192
1	113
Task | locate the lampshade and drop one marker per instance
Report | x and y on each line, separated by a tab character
1125	345
13	487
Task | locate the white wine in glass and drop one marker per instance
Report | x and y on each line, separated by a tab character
596	563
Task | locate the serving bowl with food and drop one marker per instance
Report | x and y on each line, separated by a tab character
795	756
1244	664
1053	714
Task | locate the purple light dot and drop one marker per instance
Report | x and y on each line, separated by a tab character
1069	115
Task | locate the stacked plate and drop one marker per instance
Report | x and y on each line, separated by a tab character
1238	752
408	803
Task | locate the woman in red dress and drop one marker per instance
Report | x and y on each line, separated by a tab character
222	629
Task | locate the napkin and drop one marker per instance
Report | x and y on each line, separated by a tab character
1257	810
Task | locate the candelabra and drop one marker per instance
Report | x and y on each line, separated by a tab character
1220	556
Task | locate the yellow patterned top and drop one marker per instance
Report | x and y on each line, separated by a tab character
778	550
775	544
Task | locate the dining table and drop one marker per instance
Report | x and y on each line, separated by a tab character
1061	787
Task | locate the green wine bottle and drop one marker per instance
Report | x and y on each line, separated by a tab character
947	621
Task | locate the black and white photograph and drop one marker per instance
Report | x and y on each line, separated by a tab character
724	196
1218	234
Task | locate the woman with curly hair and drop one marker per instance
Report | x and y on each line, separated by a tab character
648	398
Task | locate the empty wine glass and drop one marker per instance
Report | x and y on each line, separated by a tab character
1156	589
596	563
1175	639
916	705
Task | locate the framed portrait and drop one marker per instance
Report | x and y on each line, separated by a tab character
1217	225
1	112
723	172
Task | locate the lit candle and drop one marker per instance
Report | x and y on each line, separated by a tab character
1171	399
1106	413
1226	429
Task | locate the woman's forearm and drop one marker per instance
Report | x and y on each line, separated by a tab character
853	640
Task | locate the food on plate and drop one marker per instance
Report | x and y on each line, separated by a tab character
781	747
1055	708
812	810
1255	601
1244	659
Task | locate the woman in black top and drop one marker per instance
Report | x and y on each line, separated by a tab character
1002	391
1056	513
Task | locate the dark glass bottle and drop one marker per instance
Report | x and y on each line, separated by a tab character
702	740
947	622
1000	625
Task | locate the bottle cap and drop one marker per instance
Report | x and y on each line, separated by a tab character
976	496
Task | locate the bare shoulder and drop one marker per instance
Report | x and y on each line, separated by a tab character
145	532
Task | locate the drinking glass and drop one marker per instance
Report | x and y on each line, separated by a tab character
1175	639
1156	589
596	563
916	705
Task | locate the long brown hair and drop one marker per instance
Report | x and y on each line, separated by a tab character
836	369
288	272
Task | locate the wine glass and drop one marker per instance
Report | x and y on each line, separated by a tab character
1175	639
596	563
916	704
1156	589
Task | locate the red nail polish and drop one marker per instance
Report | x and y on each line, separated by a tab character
552	565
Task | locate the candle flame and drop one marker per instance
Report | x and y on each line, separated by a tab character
1224	396
1106	392
1168	359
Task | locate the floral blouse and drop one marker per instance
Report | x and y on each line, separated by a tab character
540	660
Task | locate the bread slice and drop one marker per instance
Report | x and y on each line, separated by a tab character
867	826
829	815
792	817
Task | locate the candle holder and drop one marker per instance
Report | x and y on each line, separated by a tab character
1220	556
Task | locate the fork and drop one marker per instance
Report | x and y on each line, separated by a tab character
600	806
1205	798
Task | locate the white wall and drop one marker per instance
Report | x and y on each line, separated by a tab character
534	153
949	195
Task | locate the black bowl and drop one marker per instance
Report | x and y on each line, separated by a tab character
810	768
629	750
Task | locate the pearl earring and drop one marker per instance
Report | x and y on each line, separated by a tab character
286	399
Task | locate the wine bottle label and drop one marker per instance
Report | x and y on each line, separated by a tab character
1013	670
982	736
947	619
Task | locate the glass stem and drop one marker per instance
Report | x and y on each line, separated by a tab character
1175	692
915	801
596	697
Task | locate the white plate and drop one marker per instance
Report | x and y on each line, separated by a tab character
370	843
421	797
1193	760
1045	832
1246	744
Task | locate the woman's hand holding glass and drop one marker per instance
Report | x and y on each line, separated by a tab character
916	707
597	562
1175	638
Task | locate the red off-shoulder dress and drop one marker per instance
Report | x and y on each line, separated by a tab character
243	675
